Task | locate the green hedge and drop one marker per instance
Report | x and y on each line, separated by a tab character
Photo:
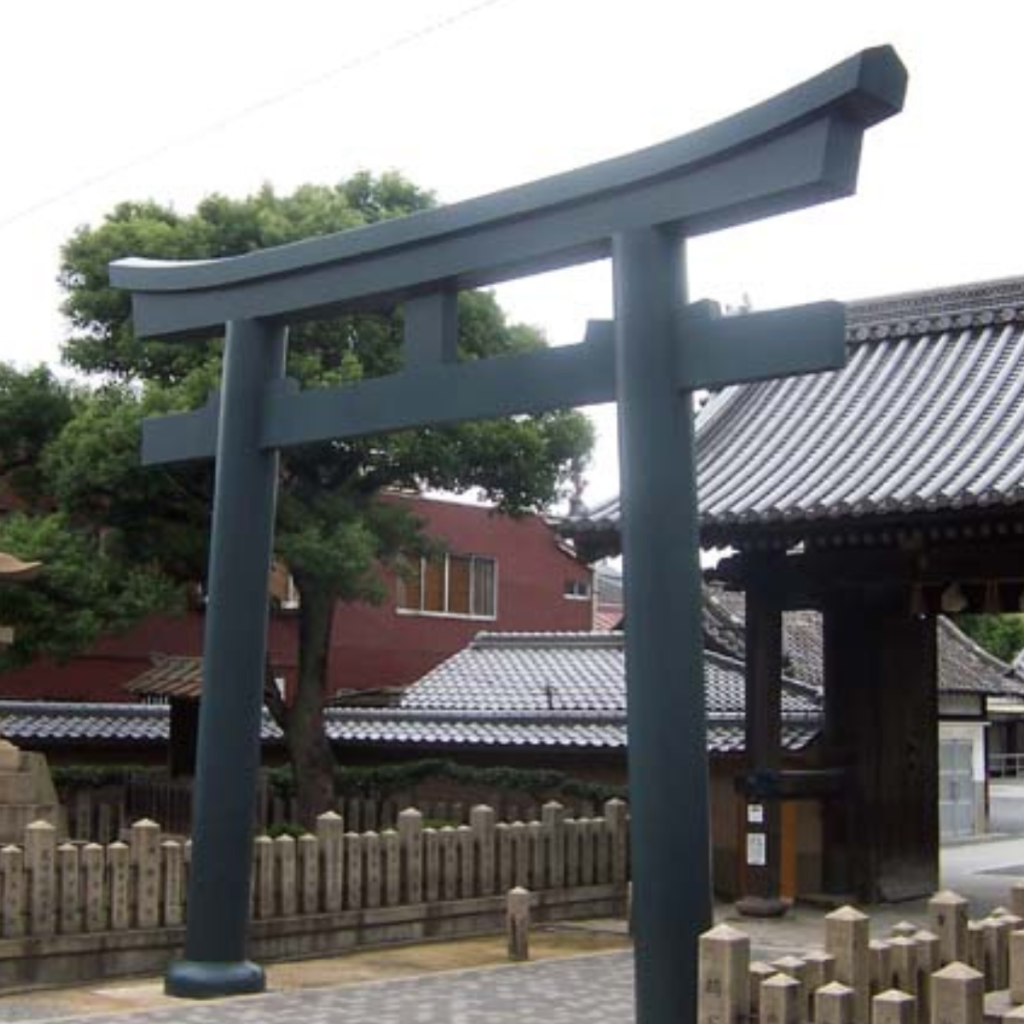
382	781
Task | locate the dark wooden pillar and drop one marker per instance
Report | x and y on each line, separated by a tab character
184	736
762	841
881	708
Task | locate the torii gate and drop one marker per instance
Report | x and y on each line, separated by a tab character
797	149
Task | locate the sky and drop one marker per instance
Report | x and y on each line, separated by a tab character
116	100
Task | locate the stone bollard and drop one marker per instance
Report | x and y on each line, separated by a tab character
410	834
145	855
819	970
893	1007
781	1000
309	873
759	972
518	923
1017	967
1017	899
929	960
833	1004
846	938
93	871
880	959
947	918
958	995
997	952
69	872
976	945
904	965
723	995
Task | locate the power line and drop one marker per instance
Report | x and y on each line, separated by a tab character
315	82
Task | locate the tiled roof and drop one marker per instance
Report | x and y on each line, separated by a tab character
927	415
964	667
527	690
170	676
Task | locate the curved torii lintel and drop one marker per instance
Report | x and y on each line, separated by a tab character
796	149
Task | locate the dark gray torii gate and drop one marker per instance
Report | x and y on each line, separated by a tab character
800	148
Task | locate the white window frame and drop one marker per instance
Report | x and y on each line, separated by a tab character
472	584
588	596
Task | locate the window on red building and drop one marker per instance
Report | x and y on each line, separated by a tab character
463	585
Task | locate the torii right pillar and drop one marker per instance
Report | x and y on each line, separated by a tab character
881	840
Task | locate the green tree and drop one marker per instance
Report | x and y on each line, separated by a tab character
84	589
1001	635
333	531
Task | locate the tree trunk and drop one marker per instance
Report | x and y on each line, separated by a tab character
308	746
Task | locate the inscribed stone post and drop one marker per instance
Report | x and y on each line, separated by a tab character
481	820
173	882
521	855
834	1004
264	877
287	883
893	1007
947	918
118	874
617	823
904	965
373	870
466	841
449	863
586	841
40	863
353	867
392	867
12	874
846	938
309	873
929	960
759	972
1017	967
782	1000
69	873
553	820
518	923
410	832
1017	899
997	952
958	994
431	865
538	862
93	871
880	959
571	831
819	969
723	995
145	854
602	852
976	945
503	846
330	831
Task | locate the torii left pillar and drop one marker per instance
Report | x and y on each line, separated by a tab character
234	652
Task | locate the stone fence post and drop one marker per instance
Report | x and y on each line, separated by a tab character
518	923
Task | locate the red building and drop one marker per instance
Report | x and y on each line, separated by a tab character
499	574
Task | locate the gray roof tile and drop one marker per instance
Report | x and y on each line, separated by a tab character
927	415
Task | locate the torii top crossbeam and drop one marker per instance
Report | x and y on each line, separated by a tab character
798	149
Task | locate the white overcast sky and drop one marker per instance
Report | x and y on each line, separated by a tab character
111	100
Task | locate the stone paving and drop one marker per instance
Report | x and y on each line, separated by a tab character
597	989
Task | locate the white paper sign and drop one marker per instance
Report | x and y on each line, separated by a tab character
755	814
757	849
